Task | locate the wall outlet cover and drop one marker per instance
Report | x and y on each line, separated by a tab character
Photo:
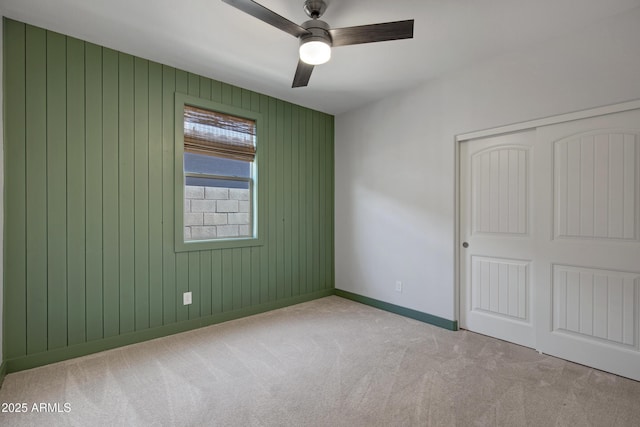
186	298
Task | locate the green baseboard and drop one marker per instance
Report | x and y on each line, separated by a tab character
3	372
451	325
57	355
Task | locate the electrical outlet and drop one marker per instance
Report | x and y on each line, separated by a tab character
186	298
398	286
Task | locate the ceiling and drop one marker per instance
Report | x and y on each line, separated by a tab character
211	38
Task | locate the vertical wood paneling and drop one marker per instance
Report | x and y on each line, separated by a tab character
236	282
93	191
264	174
216	91
286	200
182	283
255	275
205	283
316	200
76	294
169	296
246	277
320	138
141	192
90	198
216	281
193	84
329	174
279	202
327	202
226	95
272	190
227	279
309	194
242	99
194	284
36	178
205	88
295	203
204	296
15	263
302	203
255	105
56	190
126	191
155	196
182	259
247	99
110	197
236	96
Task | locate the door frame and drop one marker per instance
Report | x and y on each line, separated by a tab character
500	130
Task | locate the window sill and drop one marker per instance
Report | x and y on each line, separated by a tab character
202	245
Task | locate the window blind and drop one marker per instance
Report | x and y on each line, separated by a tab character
219	134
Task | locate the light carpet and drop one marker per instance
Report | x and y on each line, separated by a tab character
328	362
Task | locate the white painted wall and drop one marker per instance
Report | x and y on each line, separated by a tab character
395	159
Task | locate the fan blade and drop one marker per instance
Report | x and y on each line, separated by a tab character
262	13
372	33
303	73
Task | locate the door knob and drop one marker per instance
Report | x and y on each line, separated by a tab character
465	244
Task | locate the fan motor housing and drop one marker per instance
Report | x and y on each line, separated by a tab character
319	31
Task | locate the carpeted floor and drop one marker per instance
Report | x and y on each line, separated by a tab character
329	362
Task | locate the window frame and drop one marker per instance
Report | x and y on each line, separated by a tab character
257	203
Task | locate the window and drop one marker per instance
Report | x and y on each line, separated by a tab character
216	175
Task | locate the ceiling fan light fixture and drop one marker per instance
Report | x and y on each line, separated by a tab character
317	38
315	52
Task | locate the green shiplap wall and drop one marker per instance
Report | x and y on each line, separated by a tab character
89	208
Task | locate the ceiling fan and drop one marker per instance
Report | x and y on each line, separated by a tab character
317	38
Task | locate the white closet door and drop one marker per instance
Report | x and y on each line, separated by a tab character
496	228
589	200
551	217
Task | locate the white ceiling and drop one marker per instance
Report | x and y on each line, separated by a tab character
211	38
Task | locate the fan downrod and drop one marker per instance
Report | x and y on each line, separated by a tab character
314	8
